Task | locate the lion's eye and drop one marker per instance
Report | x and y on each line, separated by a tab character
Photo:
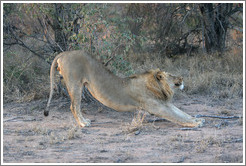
177	84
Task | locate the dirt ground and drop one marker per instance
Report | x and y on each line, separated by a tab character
29	137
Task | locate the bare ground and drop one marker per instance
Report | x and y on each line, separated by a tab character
29	137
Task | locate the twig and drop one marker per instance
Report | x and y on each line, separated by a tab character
15	119
101	122
237	140
156	120
106	64
12	119
21	43
194	128
112	55
237	9
185	17
220	117
51	37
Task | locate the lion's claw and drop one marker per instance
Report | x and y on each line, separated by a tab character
200	122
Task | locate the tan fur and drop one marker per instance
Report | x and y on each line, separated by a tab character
159	86
151	91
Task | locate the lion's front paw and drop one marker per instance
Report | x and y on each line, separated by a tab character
200	122
85	123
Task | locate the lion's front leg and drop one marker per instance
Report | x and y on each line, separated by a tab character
175	115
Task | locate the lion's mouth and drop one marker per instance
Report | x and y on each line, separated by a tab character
179	85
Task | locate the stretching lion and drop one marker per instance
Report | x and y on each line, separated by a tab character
151	91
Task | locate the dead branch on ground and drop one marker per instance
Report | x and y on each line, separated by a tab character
219	117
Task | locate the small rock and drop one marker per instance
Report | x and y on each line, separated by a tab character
222	124
137	132
119	161
103	151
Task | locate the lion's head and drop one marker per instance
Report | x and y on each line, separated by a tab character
162	84
176	82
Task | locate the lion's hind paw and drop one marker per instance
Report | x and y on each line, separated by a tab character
85	123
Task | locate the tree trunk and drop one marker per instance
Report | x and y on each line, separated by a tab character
60	37
215	20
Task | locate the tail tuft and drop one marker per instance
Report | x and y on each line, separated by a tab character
46	113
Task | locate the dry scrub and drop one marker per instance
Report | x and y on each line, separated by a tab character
136	125
219	76
26	77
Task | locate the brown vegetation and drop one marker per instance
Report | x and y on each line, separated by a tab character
219	76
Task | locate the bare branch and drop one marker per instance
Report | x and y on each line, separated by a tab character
193	128
219	117
51	37
20	42
185	17
233	11
113	54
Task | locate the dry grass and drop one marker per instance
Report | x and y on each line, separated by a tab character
219	76
56	137
40	130
136	124
204	144
26	77
177	137
73	133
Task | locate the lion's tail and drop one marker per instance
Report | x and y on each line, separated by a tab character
52	82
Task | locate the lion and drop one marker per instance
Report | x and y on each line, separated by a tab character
151	91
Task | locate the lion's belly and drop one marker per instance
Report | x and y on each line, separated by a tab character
115	102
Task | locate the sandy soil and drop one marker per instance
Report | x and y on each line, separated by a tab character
29	137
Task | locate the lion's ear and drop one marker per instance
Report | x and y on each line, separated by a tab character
159	75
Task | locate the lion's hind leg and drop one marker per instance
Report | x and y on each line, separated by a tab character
75	93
